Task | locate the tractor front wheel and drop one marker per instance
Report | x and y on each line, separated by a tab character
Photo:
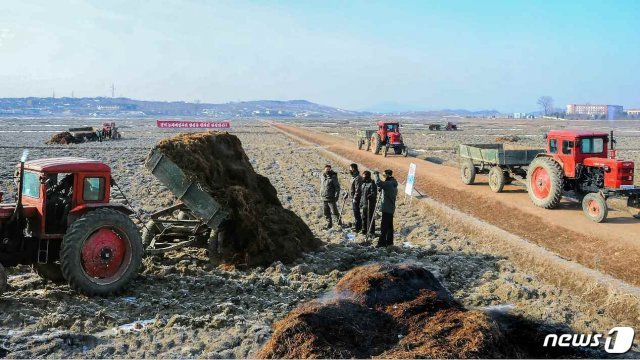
3	280
101	252
595	207
468	172
544	182
49	271
150	230
496	179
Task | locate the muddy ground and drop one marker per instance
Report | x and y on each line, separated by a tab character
182	307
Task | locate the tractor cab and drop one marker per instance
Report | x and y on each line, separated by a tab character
61	189
389	132
588	153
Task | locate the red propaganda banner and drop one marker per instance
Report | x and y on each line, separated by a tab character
178	124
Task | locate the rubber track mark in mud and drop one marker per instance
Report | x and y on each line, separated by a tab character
611	255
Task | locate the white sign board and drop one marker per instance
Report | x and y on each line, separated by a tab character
411	177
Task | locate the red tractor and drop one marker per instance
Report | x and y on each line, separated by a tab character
110	131
583	162
64	226
386	137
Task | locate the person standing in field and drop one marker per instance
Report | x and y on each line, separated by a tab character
330	192
389	189
368	198
354	192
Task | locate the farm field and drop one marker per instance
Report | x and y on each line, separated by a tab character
182	306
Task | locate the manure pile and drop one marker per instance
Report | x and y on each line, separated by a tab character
400	311
260	231
63	138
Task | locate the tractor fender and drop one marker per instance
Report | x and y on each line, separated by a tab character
559	161
84	208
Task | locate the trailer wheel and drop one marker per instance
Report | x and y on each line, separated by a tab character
3	280
468	172
496	179
595	207
101	252
49	271
214	246
545	182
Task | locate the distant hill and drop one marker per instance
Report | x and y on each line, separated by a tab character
125	107
448	112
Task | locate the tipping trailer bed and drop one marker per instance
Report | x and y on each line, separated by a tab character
502	165
496	154
194	219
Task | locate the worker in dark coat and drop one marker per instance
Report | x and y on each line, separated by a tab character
389	188
330	192
369	196
354	193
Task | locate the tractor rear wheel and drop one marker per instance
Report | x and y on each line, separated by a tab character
49	271
496	179
468	172
101	252
375	144
544	182
595	207
3	280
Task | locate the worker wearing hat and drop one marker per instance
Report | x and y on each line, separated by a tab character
389	188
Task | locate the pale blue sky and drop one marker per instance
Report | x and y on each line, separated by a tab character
350	54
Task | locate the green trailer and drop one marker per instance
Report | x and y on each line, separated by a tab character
196	219
501	165
364	138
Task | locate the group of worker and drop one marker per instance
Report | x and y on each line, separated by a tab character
104	134
365	193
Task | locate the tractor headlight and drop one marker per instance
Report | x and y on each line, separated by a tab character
607	168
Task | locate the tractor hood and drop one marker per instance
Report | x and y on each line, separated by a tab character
616	172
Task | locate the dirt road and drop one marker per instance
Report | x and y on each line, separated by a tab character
612	247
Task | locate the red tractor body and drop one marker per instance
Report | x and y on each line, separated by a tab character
583	162
386	137
65	226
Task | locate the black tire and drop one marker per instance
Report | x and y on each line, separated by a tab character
50	271
496	179
398	150
375	144
545	182
3	280
214	246
149	231
594	207
83	240
467	172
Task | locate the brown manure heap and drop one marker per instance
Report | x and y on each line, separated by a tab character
63	138
508	138
260	231
393	311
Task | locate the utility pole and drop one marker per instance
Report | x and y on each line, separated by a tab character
113	90
72	94
54	94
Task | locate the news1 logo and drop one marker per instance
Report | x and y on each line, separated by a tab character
618	341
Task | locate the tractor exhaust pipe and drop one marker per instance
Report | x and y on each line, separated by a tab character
612	147
23	159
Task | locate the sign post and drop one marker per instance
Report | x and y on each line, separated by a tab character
411	177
